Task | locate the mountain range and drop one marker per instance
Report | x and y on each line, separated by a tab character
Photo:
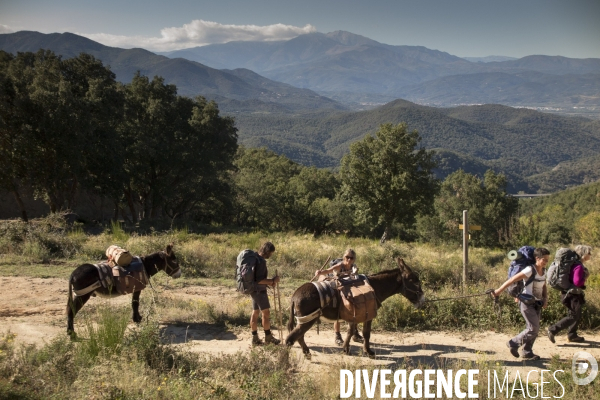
348	67
190	77
537	151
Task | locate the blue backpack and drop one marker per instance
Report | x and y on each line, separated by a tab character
522	259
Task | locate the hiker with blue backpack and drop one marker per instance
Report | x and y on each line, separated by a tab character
568	274
527	283
251	277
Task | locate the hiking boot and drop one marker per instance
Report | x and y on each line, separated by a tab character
576	339
357	338
256	340
550	335
513	350
338	339
270	339
531	357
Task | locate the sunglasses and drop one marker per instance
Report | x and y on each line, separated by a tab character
349	258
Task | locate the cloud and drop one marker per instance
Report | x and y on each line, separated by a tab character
200	33
6	29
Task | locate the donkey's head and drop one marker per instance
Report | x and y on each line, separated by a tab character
171	265
410	284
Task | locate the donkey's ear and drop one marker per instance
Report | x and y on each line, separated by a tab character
402	266
169	248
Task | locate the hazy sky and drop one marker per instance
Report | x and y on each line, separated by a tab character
474	28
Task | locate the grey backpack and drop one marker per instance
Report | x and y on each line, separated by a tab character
559	273
244	271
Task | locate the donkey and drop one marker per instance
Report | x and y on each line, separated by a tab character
306	301
86	276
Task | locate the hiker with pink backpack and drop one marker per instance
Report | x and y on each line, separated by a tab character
568	274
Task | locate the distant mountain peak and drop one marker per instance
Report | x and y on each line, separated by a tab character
489	59
350	39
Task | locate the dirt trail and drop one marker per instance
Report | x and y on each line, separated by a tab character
33	308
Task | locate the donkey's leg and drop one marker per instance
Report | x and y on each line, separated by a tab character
305	349
346	346
135	305
73	307
298	335
367	335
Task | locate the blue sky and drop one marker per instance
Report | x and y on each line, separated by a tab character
466	28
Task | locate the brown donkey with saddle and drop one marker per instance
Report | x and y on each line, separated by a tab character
353	299
121	274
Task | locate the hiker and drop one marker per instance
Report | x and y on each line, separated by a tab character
534	297
573	299
344	266
260	299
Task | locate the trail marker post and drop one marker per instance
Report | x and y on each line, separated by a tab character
466	227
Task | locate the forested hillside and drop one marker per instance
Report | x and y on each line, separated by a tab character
572	214
519	142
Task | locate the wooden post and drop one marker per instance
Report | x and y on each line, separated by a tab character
465	247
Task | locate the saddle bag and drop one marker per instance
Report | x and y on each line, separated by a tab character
129	280
359	303
119	256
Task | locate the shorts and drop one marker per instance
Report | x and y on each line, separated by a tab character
260	301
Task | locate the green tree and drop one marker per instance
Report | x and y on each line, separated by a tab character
387	178
179	152
62	125
486	201
12	152
263	194
588	228
313	189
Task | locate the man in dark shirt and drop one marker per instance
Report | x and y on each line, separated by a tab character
260	299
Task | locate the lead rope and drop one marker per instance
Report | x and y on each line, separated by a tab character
496	306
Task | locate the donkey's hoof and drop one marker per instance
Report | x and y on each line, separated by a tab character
72	335
307	355
137	319
369	353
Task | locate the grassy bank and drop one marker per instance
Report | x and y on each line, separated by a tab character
112	362
50	248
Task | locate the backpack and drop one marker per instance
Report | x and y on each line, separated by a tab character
244	271
522	259
559	273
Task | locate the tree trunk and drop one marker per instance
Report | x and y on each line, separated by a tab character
131	206
20	203
116	214
52	204
125	217
72	194
386	234
148	205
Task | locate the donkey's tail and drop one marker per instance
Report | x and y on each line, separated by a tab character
292	321
70	299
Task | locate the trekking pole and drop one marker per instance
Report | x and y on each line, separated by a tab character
320	269
279	310
275	300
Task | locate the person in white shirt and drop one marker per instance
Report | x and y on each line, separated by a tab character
535	298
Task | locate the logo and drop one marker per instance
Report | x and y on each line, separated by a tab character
585	368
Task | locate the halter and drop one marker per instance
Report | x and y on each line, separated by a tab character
168	267
405	288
